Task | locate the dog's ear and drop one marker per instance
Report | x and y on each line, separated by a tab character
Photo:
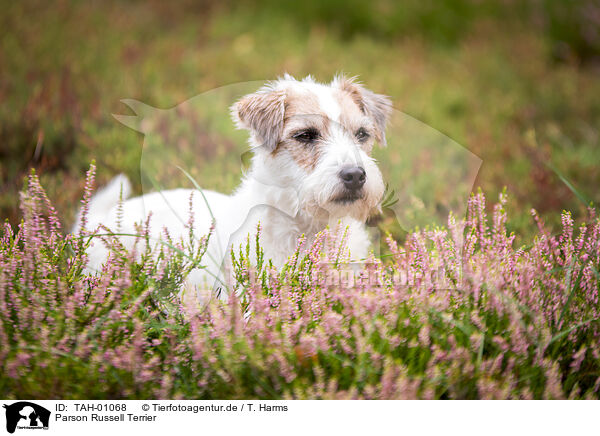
262	113
376	106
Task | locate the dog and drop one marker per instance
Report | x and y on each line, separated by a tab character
311	168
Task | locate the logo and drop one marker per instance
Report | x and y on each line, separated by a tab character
26	415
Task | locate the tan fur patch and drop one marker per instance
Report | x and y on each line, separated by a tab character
301	104
304	157
376	106
353	118
348	85
302	111
263	114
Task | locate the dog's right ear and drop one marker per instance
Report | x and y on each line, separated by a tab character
262	113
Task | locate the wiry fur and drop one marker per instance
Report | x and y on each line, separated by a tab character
291	188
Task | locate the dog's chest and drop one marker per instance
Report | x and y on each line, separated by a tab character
280	233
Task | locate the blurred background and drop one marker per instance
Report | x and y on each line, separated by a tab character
516	83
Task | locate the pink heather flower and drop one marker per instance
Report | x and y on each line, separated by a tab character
448	309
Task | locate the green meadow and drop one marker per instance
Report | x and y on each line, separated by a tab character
511	83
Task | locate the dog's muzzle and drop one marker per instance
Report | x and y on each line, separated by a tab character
353	179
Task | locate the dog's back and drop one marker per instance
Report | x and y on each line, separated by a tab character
103	201
168	210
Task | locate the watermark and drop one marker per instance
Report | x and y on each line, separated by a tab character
251	416
24	415
357	274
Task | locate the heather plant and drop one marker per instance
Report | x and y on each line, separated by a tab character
457	312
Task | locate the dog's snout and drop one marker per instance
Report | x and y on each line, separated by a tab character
353	177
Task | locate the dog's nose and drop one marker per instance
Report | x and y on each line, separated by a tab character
353	178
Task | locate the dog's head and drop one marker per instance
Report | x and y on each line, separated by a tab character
317	139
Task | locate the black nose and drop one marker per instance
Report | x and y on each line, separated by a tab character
353	178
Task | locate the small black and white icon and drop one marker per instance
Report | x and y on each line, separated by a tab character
26	415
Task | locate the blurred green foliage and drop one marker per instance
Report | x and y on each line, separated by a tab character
437	21
483	73
573	28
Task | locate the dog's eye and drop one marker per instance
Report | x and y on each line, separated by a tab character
307	136
362	135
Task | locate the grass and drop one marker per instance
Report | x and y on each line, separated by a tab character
491	87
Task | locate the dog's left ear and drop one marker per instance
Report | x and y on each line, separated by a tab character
262	113
376	106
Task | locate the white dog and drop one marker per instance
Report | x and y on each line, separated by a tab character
311	168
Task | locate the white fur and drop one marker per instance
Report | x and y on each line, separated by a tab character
287	200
